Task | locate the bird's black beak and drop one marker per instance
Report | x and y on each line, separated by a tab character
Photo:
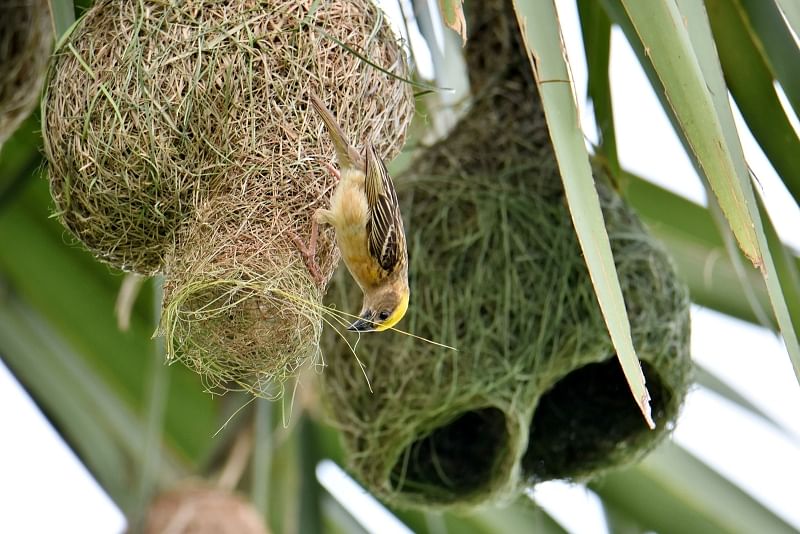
362	325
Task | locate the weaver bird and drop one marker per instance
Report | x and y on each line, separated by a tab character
365	213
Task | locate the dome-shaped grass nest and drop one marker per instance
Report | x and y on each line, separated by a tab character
197	508
26	40
534	391
152	108
180	140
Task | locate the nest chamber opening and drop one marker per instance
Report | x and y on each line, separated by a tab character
455	459
585	417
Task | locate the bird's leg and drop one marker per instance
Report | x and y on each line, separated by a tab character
309	252
334	171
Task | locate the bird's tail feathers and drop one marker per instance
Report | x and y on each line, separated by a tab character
346	155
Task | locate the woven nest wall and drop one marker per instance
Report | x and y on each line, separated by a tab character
180	140
535	391
152	108
26	41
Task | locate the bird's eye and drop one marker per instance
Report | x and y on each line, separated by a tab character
383	315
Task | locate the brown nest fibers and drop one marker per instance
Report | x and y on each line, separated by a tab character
196	508
153	107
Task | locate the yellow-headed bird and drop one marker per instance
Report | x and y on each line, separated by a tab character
365	213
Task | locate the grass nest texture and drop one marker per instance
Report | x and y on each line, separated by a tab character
534	391
180	140
154	108
26	41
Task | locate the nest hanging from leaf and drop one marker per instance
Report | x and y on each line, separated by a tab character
26	40
534	391
153	108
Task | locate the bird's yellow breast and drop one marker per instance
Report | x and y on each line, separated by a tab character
350	212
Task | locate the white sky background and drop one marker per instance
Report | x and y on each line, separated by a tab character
43	485
43	488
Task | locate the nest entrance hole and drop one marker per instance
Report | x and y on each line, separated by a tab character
584	417
455	459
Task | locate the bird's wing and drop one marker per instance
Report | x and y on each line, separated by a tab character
385	224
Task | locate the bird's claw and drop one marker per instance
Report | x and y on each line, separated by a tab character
309	253
334	171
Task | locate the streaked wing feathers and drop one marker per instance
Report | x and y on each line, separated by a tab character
385	224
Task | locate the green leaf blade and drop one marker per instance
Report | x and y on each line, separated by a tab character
453	15
687	64
62	13
791	10
596	30
544	47
672	491
778	285
777	45
666	41
750	76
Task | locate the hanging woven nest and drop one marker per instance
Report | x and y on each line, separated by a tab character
535	390
153	108
26	41
180	140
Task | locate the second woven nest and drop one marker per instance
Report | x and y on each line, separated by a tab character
534	391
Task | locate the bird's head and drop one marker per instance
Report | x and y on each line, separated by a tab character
381	310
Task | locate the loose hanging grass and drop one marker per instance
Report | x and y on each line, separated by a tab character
152	108
180	140
240	306
26	40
